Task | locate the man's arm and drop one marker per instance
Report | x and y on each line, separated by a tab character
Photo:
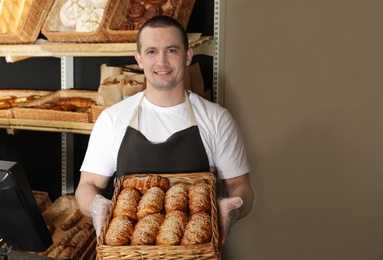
241	187
89	186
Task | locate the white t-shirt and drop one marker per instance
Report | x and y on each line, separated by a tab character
219	132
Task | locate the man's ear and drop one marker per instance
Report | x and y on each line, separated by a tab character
189	56
137	56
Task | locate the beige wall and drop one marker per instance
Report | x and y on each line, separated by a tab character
304	79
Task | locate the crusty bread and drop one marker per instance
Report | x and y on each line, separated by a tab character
13	14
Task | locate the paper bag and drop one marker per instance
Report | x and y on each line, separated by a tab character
110	91
133	84
108	71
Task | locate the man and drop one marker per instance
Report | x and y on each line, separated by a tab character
166	130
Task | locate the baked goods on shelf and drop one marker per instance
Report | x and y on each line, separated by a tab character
71	220
14	101
77	241
129	15
81	15
13	14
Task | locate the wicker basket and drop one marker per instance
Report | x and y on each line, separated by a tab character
42	199
51	28
31	25
181	13
203	251
29	112
7	113
96	111
56	214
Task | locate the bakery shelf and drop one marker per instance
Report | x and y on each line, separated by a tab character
43	48
13	125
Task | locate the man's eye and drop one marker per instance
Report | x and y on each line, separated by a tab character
172	50
150	52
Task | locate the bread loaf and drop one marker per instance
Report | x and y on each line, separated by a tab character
75	101
72	219
146	230
127	202
90	20
198	230
199	198
151	202
146	182
72	10
172	229
119	232
176	198
13	14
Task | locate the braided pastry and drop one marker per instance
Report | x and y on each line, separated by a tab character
172	229
65	240
146	182
176	198
146	230
198	230
127	202
71	220
199	198
119	232
151	202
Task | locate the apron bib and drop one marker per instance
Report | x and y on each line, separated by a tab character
182	152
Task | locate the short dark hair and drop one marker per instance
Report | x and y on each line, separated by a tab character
162	21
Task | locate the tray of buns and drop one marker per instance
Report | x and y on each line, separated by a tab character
161	216
129	15
62	105
21	21
72	233
78	21
15	98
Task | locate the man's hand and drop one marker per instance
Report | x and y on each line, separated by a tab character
228	215
98	212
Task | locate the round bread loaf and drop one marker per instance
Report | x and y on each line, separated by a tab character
90	21
99	3
72	10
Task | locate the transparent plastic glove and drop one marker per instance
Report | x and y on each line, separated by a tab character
228	215
99	211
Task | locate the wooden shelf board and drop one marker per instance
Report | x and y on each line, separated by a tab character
49	49
12	125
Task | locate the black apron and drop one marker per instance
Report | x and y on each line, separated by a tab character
182	152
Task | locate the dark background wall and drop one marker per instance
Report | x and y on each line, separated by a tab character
40	152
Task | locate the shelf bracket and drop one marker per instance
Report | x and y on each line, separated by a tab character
67	143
